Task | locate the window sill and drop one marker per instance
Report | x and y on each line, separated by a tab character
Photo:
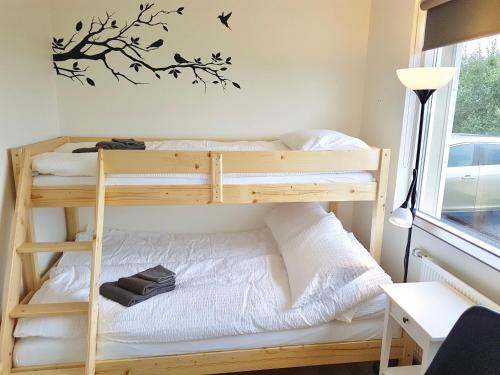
482	251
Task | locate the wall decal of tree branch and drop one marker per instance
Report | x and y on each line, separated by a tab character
106	37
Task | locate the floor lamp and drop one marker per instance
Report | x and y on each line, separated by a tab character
423	81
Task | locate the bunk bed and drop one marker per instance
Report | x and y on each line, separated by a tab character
23	277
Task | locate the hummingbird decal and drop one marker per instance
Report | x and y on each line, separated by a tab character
224	19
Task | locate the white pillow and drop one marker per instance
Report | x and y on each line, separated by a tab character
321	260
321	139
289	219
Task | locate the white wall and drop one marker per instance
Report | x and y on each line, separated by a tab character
28	105
390	43
300	65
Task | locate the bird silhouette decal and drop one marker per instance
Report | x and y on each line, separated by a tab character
179	59
68	53
156	44
224	19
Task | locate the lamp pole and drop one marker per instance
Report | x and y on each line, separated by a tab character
423	82
423	96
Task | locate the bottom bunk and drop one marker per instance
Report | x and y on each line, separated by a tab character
235	294
36	351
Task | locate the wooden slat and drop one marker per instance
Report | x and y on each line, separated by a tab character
52	367
40	247
121	161
49	309
277	193
378	211
300	161
60	371
63	196
137	195
95	267
71	219
217	193
13	267
157	139
250	359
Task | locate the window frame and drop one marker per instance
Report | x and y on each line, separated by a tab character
473	246
482	251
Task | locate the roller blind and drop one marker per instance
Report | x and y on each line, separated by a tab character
428	4
454	21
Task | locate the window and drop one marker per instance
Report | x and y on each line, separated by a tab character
460	184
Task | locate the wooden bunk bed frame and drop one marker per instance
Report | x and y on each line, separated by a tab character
23	276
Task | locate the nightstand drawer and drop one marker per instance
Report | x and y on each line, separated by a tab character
407	323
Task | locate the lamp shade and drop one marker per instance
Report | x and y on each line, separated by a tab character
402	217
425	78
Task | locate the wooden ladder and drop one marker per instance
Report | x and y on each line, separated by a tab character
23	253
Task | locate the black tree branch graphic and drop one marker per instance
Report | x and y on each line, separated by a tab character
105	38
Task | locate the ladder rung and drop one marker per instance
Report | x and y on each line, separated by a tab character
49	309
40	247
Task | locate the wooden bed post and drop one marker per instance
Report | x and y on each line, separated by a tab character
378	212
13	284
332	207
409	347
31	274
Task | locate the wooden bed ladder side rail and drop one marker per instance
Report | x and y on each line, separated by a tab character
13	283
22	274
378	211
95	269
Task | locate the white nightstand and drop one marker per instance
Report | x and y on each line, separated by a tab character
426	311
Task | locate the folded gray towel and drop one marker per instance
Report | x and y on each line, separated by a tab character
142	286
127	298
157	274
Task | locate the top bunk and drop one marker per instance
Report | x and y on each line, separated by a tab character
200	172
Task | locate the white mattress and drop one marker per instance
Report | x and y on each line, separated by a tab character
203	179
40	351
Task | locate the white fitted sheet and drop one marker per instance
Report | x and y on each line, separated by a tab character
204	179
40	351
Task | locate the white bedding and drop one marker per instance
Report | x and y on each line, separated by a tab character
227	284
62	167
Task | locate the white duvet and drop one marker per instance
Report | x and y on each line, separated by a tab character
227	284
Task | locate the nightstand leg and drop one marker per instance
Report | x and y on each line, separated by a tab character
428	354
389	326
